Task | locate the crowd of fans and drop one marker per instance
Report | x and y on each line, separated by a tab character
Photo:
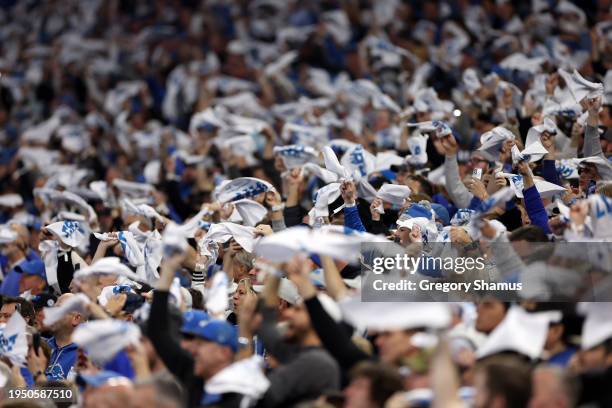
187	187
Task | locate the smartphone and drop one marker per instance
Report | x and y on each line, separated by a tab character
477	174
36	342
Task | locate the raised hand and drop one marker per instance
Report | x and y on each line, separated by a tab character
449	143
374	209
263	230
477	188
349	192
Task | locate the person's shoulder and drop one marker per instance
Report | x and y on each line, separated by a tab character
50	342
318	356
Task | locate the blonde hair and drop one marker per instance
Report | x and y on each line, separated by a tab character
247	284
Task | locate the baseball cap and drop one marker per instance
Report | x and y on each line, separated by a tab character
222	333
418	211
34	267
194	321
198	324
441	213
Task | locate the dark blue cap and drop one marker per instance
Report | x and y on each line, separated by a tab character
417	210
193	321
441	213
197	323
34	267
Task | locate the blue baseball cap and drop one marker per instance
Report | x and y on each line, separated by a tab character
34	267
222	333
194	321
102	378
197	323
441	213
417	210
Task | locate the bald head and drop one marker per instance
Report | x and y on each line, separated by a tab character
109	396
552	387
63	299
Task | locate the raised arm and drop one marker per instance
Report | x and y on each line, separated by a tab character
351	212
178	361
457	191
592	147
533	202
333	281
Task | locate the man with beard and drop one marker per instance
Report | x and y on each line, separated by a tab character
305	369
64	351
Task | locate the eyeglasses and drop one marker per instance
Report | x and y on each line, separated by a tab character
586	170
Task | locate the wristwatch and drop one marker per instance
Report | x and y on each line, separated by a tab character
244	342
278	207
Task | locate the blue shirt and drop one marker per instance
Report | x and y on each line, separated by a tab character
121	364
62	360
27	377
562	358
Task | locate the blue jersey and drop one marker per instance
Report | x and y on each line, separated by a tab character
62	360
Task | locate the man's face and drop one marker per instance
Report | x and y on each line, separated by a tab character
403	233
394	345
33	283
64	325
298	322
478	162
587	173
553	336
357	394
7	311
489	314
67	323
209	357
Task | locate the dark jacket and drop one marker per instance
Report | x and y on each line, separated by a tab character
304	372
166	342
